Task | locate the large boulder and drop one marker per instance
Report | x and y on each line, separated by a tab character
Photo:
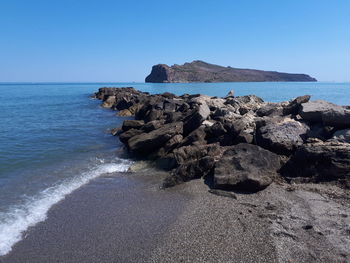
320	161
149	142
282	136
193	161
125	136
337	117
132	124
109	102
270	109
246	167
193	121
313	111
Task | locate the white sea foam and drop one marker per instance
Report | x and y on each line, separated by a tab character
34	210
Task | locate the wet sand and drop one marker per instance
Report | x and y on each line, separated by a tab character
127	218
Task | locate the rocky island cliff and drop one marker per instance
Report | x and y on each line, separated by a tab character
199	71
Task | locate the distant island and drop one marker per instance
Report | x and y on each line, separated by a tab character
200	71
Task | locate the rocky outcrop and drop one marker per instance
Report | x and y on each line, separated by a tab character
321	161
199	71
240	143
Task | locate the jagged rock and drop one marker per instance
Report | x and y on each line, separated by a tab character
169	105
336	117
231	93
149	142
152	125
198	136
195	152
131	110
270	109
246	167
245	103
109	102
195	120
104	93
320	132
153	115
341	136
320	161
116	131
193	169
174	116
282	137
125	113
125	136
312	111
213	103
294	106
168	95
132	124
193	162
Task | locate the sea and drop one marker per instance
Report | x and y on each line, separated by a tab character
54	138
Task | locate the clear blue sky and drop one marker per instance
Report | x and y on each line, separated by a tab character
82	40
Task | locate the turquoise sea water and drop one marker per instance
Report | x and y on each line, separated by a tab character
54	139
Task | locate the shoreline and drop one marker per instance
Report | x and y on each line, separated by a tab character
128	218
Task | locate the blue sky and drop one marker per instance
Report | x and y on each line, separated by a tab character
82	40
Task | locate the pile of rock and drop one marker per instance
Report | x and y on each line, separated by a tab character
235	142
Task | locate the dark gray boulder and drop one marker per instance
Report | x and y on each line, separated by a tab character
337	117
294	106
320	161
270	109
149	142
192	162
313	111
152	125
125	136
198	136
283	136
320	132
132	124
246	167
193	121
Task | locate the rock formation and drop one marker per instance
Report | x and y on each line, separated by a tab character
199	71
239	143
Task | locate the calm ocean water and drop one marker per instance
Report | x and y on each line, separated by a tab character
54	139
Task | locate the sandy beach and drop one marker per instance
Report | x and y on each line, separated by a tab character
128	218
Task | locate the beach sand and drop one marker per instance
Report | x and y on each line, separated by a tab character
128	218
